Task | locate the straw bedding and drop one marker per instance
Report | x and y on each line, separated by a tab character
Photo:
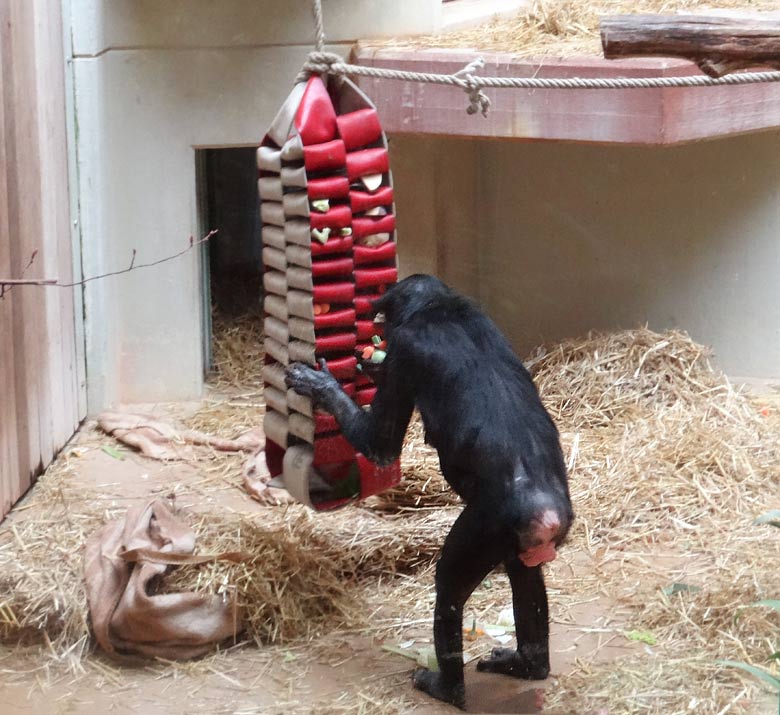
564	27
669	465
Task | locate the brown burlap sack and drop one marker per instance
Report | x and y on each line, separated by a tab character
122	563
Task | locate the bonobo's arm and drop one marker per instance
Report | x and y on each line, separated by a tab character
378	432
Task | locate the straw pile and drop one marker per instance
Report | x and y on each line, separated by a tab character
669	465
564	27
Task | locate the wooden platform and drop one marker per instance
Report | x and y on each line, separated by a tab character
633	116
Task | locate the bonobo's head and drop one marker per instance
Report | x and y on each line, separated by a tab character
409	296
546	516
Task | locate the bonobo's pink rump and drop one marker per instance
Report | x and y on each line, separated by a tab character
546	529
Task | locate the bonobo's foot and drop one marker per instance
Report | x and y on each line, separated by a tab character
432	684
307	381
519	664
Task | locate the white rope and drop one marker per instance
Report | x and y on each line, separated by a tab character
329	63
321	62
319	26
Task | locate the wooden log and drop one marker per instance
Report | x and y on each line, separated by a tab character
718	45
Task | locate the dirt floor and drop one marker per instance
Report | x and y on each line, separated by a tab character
246	680
348	671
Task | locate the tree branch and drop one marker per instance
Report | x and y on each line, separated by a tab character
6	284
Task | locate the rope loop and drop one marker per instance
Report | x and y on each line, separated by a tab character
318	62
478	100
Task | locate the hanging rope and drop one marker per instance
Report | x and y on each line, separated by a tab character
321	62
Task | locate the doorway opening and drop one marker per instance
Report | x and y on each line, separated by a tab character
232	261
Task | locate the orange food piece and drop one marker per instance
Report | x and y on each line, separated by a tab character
368	351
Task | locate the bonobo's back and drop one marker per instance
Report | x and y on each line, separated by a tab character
474	394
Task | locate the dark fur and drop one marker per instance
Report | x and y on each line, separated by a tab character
498	449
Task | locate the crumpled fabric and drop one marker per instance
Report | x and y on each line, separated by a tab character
158	440
122	563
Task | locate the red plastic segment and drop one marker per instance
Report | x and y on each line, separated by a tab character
330	450
374	254
339	342
316	118
332	267
274	456
325	423
359	128
343	369
365	396
375	479
362	381
335	319
339	216
334	293
364	303
367	329
363	201
366	277
332	245
368	225
323	157
331	187
367	161
349	386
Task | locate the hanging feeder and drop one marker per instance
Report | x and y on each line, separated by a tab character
329	252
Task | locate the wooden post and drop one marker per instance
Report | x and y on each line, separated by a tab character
718	45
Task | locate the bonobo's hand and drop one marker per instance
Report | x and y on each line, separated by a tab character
432	683
309	382
529	662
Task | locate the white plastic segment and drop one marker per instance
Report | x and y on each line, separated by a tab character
276	399
270	188
282	124
299	403
275	427
272	212
274	258
276	306
299	256
269	159
300	351
302	426
297	466
294	176
273	236
277	351
276	329
300	304
298	231
275	282
273	374
296	203
300	278
301	329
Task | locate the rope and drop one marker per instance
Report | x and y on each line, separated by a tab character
323	63
319	26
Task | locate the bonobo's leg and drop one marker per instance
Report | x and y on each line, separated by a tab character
470	552
531	660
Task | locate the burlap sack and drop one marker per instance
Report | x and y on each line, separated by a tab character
122	563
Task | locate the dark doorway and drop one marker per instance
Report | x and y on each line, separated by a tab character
233	265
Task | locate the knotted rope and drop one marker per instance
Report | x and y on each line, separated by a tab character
328	63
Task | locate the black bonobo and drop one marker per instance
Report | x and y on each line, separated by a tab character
498	449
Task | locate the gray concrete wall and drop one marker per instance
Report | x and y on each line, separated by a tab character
558	239
153	82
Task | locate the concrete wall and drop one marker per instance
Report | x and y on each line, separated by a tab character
557	239
553	239
153	82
